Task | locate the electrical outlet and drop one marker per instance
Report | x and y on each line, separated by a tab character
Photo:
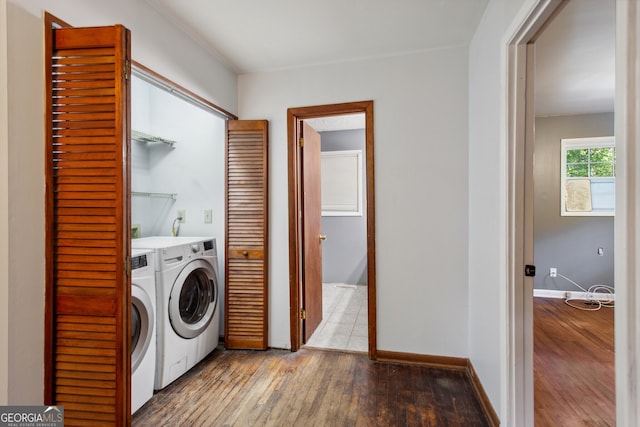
183	215
208	216
553	272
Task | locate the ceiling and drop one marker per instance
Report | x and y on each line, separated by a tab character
259	35
575	59
574	73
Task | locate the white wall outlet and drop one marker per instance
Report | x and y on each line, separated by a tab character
553	272
182	214
208	216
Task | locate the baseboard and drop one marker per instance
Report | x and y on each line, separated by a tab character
421	359
457	363
549	293
487	407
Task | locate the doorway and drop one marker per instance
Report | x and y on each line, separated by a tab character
298	311
521	121
343	221
574	243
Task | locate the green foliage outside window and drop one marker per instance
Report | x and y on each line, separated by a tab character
591	162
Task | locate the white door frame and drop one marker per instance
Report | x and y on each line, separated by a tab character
520	117
627	224
4	206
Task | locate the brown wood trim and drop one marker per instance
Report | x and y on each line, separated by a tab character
478	389
445	362
50	21
171	83
294	233
459	363
49	295
123	246
294	116
371	233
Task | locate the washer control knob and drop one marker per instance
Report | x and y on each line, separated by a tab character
195	247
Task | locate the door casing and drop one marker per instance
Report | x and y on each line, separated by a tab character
294	117
520	215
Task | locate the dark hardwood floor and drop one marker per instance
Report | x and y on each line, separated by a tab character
574	373
312	388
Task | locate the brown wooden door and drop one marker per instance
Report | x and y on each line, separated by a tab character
246	245
311	231
88	288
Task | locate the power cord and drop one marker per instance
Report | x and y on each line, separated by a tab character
175	230
593	296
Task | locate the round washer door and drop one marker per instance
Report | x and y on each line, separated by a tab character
193	299
142	321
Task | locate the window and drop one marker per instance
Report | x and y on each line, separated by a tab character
588	177
341	177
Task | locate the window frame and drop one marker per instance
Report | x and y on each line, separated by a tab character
567	144
355	208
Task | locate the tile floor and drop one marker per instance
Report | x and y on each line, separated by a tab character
344	318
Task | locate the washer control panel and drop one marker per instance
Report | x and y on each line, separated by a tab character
138	262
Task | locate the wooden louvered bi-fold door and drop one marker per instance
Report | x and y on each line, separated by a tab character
88	287
246	235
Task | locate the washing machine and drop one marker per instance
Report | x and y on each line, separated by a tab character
143	330
187	315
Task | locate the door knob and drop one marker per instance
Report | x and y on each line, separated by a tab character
323	237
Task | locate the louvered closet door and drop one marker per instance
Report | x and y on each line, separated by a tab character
246	236
88	285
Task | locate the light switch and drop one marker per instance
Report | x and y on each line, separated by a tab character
208	216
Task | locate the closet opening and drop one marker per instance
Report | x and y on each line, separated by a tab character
89	162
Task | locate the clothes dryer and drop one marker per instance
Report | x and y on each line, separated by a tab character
187	319
143	320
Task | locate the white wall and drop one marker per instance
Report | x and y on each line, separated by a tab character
488	201
568	243
193	169
25	222
156	44
420	115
